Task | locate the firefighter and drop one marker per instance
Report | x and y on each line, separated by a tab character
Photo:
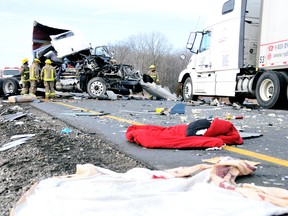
153	74
24	72
48	75
34	76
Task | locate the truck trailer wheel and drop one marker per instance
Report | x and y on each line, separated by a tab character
10	86
96	87
188	90
271	90
285	75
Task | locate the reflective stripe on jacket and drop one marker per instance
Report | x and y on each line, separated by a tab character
153	75
34	71
48	73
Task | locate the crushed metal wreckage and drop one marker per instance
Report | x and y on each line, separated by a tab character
90	70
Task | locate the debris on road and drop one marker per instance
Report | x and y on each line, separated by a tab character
21	136
215	102
66	131
213	149
246	135
178	109
158	91
90	114
21	98
20	139
183	119
12	117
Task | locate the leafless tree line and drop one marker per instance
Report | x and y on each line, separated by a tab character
144	49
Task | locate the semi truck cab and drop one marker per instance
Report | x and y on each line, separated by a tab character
226	55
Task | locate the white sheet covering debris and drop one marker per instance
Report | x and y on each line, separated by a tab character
97	191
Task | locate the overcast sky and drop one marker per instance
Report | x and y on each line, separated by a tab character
100	21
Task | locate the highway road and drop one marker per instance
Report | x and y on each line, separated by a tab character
267	145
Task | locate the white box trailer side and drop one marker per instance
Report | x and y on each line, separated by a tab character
273	48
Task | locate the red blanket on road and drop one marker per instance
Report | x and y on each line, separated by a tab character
152	136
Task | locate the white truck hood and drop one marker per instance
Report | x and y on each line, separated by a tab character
64	41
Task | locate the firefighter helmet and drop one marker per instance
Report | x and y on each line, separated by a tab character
48	61
37	60
25	60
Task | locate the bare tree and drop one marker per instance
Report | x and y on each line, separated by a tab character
144	49
171	66
121	52
147	49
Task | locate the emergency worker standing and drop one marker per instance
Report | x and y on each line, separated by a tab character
153	74
34	76
24	72
48	75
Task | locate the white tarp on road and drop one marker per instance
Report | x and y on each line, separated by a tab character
97	191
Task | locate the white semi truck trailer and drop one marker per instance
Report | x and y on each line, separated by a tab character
242	53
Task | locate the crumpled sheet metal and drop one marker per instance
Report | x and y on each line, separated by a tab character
158	91
12	117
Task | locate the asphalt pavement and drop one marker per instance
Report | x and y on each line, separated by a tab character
264	130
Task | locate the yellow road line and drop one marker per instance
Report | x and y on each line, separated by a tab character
227	148
94	112
257	155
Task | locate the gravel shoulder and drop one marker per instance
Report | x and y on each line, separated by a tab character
51	152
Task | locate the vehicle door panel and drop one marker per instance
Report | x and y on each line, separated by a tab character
205	78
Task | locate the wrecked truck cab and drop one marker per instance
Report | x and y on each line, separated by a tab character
89	70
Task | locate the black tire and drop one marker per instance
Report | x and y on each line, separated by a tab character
285	75
237	99
187	90
10	86
271	90
96	87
